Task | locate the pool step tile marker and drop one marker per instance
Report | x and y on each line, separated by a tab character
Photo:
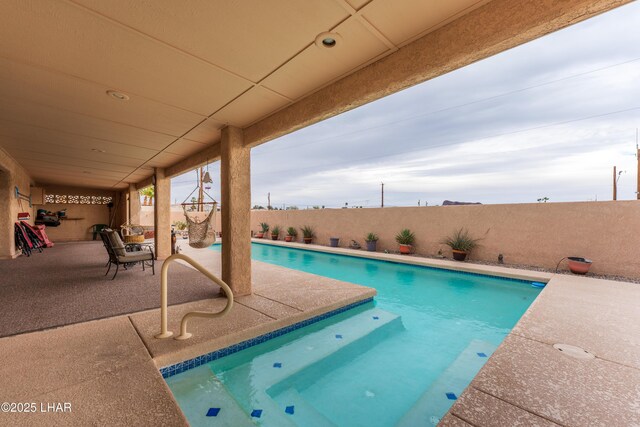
338	336
301	409
376	317
213	412
445	389
256	413
277	365
481	354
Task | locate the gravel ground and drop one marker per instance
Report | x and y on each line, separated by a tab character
562	270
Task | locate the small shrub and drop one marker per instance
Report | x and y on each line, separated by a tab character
291	231
460	240
180	225
308	232
371	237
264	226
275	230
405	237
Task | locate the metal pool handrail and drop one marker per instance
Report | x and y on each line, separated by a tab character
164	333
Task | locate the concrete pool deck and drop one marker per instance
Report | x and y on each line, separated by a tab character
108	369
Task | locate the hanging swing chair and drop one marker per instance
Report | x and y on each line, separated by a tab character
202	233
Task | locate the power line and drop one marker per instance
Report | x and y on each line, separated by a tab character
461	142
383	125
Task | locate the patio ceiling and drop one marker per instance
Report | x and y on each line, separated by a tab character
188	69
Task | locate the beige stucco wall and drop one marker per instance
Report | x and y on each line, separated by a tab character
11	175
76	229
533	234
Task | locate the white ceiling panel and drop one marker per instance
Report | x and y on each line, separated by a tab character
77	124
185	147
250	107
251	38
62	157
65	37
43	139
188	69
163	160
317	66
207	132
53	89
404	21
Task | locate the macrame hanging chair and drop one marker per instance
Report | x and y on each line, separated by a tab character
201	233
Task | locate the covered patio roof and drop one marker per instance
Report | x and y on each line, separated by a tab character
100	93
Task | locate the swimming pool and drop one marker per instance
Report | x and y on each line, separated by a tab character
401	360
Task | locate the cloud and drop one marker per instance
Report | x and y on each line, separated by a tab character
548	118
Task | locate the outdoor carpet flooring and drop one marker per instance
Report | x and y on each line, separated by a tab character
66	284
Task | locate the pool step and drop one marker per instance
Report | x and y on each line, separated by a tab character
199	389
303	410
358	335
449	385
275	377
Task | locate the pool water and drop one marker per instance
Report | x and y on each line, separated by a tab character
401	360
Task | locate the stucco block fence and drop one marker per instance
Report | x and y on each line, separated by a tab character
537	234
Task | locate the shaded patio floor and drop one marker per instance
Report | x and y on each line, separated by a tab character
66	284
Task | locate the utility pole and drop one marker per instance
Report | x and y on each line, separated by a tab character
269	201
382	199
638	169
615	184
200	190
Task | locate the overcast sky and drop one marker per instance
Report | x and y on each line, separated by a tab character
547	119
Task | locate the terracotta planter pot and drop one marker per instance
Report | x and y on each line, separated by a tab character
274	237
288	238
371	246
405	249
259	235
459	255
334	241
307	240
579	265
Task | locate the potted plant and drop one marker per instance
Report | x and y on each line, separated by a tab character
308	234
461	243
265	229
334	241
405	239
292	233
372	241
275	232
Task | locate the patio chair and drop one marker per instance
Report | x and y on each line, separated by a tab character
127	255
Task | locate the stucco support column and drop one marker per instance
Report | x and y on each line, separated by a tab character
134	205
7	244
162	214
235	186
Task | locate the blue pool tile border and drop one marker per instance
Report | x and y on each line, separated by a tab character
428	267
171	370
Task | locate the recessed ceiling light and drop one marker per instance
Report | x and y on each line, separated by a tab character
97	150
328	40
118	95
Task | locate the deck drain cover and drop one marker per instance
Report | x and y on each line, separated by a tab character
573	351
